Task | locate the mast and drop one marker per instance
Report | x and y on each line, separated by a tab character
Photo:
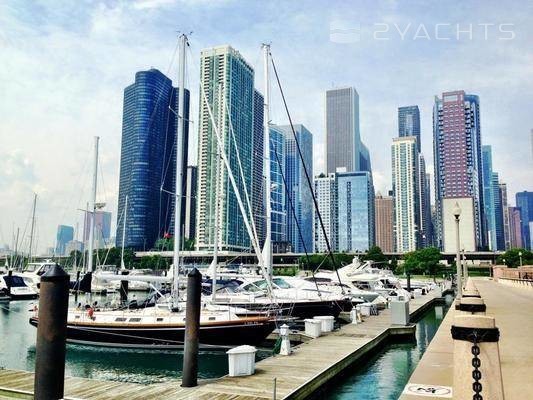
16	250
122	266
267	247
179	165
32	225
92	208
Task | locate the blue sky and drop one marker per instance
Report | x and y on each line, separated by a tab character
65	65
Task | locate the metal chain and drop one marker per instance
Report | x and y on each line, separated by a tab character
476	373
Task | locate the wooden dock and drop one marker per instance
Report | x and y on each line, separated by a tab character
312	365
512	308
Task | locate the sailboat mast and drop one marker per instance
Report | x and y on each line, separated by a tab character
92	216
267	248
122	266
32	226
179	164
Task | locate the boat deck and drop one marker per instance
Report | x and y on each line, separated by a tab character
312	365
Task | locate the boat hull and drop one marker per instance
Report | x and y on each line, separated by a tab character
232	333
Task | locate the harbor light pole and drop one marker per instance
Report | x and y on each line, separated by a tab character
520	255
457	214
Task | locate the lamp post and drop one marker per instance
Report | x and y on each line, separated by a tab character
457	214
520	255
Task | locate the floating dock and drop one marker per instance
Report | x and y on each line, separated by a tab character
312	365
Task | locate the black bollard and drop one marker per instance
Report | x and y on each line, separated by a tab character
51	335
8	282
192	329
409	282
124	288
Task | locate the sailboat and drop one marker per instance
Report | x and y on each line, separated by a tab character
162	325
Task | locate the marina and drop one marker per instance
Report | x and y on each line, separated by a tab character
312	365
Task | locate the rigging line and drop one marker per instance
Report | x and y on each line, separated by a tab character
294	214
309	183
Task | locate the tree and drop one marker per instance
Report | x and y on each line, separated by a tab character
425	260
323	261
164	244
512	257
375	254
155	262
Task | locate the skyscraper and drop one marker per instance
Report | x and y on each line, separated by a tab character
498	213
524	200
488	196
457	157
409	123
343	139
190	202
384	208
148	157
405	186
298	188
355	207
278	198
102	228
258	189
425	228
325	192
505	208
515	228
64	235
228	82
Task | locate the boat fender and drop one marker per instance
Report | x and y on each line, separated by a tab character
90	313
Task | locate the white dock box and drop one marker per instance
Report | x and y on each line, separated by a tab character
241	360
313	327
399	311
327	322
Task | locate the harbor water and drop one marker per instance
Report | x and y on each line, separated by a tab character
384	375
17	351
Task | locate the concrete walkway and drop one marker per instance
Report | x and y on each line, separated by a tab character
512	309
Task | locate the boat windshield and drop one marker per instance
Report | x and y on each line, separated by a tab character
32	267
280	283
14	281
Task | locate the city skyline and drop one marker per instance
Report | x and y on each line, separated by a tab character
90	74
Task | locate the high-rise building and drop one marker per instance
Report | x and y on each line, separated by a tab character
343	139
258	189
505	209
515	228
325	193
278	198
102	228
64	235
355	211
228	82
190	202
457	157
488	196
498	213
405	186
409	123
524	200
298	188
384	208
148	158
424	198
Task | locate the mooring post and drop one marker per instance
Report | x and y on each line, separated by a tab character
192	329
124	285
51	335
477	370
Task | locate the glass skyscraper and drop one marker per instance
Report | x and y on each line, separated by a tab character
488	196
64	235
409	123
499	244
524	201
228	81
298	188
355	210
148	157
278	199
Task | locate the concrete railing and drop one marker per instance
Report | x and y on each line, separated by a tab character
476	357
521	283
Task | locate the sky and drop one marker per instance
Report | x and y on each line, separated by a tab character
64	66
